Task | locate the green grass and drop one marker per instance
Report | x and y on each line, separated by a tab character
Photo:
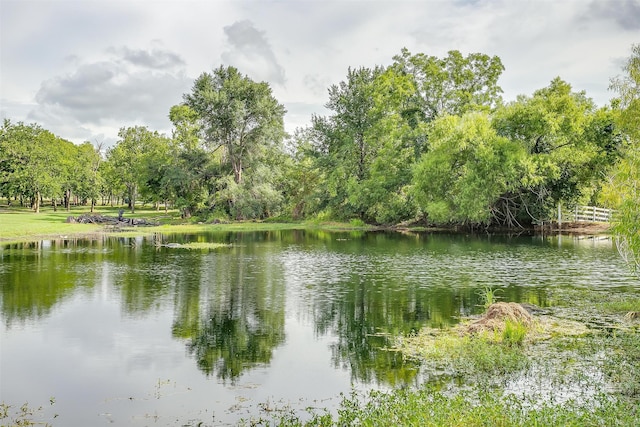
447	352
21	224
488	296
621	305
514	333
429	406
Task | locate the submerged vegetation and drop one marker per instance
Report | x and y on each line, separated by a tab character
546	372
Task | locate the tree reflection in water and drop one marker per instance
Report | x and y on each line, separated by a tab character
229	304
233	317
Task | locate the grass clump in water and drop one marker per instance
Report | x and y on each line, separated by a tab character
449	353
489	296
514	333
197	245
623	306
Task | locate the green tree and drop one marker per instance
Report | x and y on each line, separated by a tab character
400	142
82	174
454	84
378	128
237	114
569	143
369	146
345	143
622	190
131	160
304	180
190	175
467	172
30	162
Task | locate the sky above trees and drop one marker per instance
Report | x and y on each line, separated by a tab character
84	69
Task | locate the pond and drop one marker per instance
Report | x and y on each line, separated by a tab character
141	331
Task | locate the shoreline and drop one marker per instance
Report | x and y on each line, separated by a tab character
19	226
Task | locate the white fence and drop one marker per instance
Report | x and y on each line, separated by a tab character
585	214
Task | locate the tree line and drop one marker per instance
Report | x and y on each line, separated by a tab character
425	139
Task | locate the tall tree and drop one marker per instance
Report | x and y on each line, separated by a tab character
344	140
452	85
237	114
191	172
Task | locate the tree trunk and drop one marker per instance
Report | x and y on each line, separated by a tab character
36	202
132	200
237	170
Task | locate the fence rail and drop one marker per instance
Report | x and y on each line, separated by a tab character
586	214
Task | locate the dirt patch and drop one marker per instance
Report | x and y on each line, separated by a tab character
496	316
578	227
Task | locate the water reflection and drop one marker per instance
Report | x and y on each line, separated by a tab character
231	306
233	314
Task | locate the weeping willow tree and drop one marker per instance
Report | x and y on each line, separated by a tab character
623	187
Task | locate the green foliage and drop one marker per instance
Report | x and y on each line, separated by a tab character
425	138
467	171
453	85
357	222
624	305
464	356
569	147
236	113
303	181
488	296
622	190
232	113
138	162
514	333
32	162
433	407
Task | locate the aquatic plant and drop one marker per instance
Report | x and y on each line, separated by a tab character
432	406
514	332
488	296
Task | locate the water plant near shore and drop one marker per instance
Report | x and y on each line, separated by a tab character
489	296
433	406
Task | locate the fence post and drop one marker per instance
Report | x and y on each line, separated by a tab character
559	215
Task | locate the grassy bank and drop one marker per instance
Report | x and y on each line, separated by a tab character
21	224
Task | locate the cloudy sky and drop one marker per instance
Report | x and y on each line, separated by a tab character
84	69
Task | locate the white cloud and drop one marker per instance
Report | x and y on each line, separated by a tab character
87	68
130	86
251	53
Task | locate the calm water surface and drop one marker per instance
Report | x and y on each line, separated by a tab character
126	331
